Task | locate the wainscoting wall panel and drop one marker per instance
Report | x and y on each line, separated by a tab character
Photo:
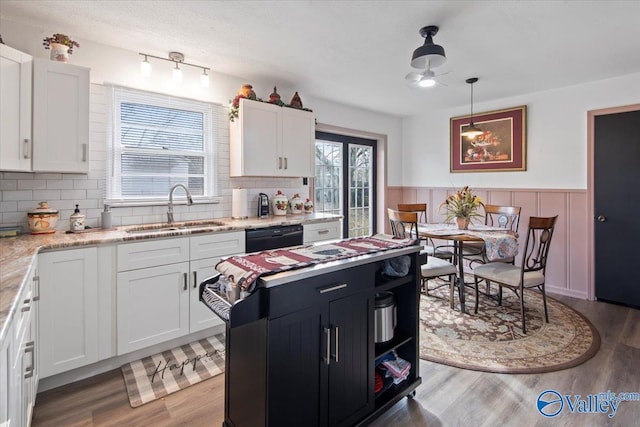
567	268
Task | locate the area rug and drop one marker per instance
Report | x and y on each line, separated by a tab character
492	340
164	373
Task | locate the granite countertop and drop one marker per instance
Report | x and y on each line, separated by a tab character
18	253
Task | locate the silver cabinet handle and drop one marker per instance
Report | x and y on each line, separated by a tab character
279	162
327	356
286	163
84	152
333	288
601	218
36	280
335	341
195	279
323	231
26	149
30	348
186	281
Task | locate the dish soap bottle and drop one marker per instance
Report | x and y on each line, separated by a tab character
76	220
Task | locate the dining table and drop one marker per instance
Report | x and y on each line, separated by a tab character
499	244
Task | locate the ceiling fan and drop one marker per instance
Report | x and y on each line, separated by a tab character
426	78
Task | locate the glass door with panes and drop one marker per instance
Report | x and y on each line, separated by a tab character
345	181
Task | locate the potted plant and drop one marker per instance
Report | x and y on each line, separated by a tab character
61	46
462	206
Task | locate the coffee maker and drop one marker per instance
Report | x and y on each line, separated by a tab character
263	205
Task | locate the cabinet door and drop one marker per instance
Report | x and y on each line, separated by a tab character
297	348
255	136
200	316
15	110
60	117
6	377
152	306
68	310
298	138
351	370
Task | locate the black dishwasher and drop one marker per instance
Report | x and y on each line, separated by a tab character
275	237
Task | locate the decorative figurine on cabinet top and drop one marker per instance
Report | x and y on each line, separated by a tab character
274	98
296	102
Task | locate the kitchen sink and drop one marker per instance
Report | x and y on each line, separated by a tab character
178	226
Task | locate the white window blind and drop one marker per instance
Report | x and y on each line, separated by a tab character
157	141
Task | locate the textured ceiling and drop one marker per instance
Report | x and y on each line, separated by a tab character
358	52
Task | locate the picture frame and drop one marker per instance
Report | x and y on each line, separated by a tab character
501	148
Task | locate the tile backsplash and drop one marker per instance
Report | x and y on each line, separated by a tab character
20	192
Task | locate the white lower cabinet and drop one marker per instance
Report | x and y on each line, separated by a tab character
157	287
321	231
68	310
18	359
205	252
152	306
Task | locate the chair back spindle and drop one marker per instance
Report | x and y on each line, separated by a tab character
538	243
404	225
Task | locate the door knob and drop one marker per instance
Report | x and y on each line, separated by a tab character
601	218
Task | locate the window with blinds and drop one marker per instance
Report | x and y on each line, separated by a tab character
158	141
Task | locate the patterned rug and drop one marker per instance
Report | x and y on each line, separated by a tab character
492	340
164	373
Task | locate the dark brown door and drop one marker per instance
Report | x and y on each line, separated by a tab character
617	207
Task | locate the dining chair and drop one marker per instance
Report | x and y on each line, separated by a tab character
428	244
530	274
495	216
405	225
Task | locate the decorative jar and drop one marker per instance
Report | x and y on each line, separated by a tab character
463	223
296	204
59	52
308	206
43	220
280	203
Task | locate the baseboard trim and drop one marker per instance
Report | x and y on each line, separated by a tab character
567	292
84	372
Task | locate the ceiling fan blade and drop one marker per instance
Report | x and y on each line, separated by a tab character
413	76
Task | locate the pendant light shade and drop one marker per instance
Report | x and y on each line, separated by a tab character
471	131
429	53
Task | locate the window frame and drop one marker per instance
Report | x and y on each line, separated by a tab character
211	139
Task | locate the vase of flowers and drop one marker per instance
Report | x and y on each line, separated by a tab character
462	206
61	47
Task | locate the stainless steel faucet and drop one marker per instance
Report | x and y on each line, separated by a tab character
170	208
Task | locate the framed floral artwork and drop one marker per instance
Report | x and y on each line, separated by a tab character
502	146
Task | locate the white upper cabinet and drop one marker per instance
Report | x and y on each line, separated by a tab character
268	140
15	110
60	117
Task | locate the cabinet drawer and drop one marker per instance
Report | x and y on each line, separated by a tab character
132	256
318	232
320	289
216	245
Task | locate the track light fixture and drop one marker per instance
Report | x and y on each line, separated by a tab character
178	59
472	130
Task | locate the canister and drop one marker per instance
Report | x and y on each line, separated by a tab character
385	316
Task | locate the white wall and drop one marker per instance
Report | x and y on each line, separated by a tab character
556	138
20	192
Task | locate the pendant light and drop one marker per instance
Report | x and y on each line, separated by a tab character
472	130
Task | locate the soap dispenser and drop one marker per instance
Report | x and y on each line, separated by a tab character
76	220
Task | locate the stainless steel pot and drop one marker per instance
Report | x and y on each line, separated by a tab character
385	316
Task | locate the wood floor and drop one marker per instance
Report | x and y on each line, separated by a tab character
447	397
